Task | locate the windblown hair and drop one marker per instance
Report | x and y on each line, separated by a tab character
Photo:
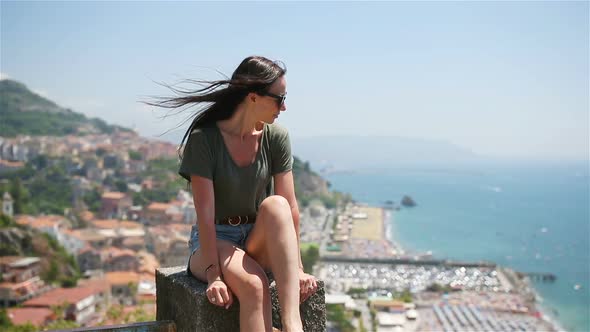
218	100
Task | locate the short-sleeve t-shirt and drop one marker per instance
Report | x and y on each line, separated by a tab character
238	190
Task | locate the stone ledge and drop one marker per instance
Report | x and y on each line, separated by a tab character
181	298
159	326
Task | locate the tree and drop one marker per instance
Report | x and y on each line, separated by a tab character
134	155
115	312
436	287
336	314
92	200
100	152
19	195
51	275
69	282
132	290
62	324
59	310
373	313
139	315
6	221
4	319
52	188
39	162
405	296
121	186
357	292
309	257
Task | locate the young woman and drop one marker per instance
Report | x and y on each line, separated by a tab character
239	164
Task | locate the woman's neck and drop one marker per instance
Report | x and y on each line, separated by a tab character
241	124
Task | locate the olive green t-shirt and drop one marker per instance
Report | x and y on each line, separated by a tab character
238	190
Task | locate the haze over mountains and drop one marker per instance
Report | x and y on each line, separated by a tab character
24	112
332	153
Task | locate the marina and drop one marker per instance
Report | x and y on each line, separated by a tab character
477	296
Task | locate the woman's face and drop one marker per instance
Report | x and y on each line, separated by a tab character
270	105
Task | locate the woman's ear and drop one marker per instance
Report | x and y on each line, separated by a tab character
252	97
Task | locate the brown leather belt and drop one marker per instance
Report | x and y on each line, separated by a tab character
237	220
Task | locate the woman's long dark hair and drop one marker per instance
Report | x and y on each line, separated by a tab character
221	98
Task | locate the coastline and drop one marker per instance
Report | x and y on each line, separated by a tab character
546	315
504	227
389	230
366	233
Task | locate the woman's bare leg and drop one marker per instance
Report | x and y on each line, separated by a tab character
246	280
273	244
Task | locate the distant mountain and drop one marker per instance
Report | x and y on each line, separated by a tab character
338	153
26	113
307	182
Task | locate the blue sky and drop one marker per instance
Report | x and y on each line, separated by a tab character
503	79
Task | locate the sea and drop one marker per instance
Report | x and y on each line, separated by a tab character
532	217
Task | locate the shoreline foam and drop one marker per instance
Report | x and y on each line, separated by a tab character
553	321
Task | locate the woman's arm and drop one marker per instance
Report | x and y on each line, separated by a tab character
285	187
204	199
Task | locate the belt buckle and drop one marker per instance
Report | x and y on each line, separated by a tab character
229	221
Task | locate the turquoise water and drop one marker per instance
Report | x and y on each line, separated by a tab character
531	218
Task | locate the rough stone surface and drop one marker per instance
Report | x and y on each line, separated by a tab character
181	298
159	326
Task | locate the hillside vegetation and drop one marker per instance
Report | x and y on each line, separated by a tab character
26	113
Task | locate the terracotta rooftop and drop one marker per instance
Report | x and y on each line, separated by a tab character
115	224
113	195
176	217
87	235
35	316
9	285
176	202
133	241
87	216
158	230
105	223
6	260
112	252
11	163
155	206
98	284
59	296
121	277
86	248
130	224
181	228
40	221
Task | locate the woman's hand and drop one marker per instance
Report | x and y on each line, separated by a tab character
307	286
219	294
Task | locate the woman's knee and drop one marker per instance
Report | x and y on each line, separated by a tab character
252	288
275	204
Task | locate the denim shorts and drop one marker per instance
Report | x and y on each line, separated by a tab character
234	234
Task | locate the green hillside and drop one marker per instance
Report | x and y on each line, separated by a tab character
26	113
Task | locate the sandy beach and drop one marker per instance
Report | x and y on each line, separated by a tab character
369	232
368	224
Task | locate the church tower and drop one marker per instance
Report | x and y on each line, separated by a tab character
7	205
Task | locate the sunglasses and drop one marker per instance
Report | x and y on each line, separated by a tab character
279	98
